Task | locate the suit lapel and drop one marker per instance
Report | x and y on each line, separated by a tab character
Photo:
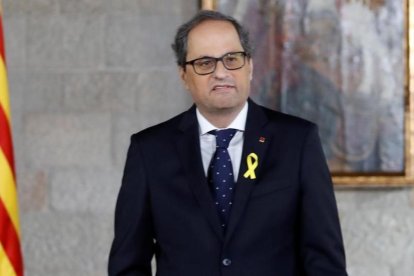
188	144
256	140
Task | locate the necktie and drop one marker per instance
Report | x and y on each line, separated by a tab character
221	174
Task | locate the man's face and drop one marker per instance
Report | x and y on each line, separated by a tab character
223	91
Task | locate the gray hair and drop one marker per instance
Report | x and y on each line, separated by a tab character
181	38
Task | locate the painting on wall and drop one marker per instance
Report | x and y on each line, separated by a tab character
344	65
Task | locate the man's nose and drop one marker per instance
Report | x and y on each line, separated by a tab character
220	71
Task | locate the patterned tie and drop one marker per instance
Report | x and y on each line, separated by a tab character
221	174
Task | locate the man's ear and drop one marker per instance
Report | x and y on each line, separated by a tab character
183	76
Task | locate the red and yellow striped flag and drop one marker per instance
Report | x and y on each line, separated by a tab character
11	263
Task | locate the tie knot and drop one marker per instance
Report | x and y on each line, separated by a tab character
223	136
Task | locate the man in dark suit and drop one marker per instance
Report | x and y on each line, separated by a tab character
228	187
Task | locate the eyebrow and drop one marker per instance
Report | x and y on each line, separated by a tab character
206	56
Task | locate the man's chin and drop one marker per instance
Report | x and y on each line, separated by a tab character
226	108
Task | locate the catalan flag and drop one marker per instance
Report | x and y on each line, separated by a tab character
11	263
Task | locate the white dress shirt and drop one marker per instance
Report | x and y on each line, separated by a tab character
208	141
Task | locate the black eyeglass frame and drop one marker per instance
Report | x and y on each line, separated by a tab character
191	62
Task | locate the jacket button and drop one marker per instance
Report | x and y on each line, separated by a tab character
226	262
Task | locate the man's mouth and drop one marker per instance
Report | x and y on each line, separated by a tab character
222	86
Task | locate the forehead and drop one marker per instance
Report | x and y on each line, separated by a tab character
213	38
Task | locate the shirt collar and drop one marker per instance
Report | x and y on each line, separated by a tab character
238	123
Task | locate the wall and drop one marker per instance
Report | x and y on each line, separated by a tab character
83	76
86	74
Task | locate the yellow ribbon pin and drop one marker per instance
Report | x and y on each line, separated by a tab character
252	163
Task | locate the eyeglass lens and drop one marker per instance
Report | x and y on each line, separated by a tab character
231	61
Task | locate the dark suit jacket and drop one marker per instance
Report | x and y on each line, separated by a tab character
284	222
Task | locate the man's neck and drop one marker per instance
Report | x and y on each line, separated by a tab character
221	118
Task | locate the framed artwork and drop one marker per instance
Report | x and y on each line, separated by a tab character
345	65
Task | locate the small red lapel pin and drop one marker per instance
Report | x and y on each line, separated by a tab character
262	139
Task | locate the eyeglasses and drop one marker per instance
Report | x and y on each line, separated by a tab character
207	65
